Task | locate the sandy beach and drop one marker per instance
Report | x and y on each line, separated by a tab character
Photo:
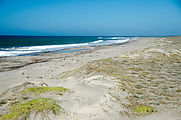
140	79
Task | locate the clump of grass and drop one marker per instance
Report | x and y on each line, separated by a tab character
144	109
105	60
39	105
179	90
138	86
2	102
125	57
42	90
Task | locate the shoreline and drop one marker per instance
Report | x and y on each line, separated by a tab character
28	63
31	50
37	57
92	92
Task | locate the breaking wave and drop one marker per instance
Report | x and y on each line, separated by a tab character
27	50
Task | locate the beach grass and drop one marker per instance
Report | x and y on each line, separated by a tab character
39	105
42	90
144	109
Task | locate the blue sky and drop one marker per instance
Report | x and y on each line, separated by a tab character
90	17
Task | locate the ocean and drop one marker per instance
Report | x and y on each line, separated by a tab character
32	45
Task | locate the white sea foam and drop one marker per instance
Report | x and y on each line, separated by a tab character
115	41
116	38
16	51
99	41
47	47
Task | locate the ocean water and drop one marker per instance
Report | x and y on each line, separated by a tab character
32	45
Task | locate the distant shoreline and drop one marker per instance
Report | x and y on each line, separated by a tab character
65	52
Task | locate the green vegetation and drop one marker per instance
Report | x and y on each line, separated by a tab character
145	109
2	102
23	110
178	90
42	90
138	86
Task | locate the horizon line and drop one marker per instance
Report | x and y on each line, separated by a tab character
88	35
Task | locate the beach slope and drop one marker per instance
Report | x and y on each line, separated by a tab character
137	80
